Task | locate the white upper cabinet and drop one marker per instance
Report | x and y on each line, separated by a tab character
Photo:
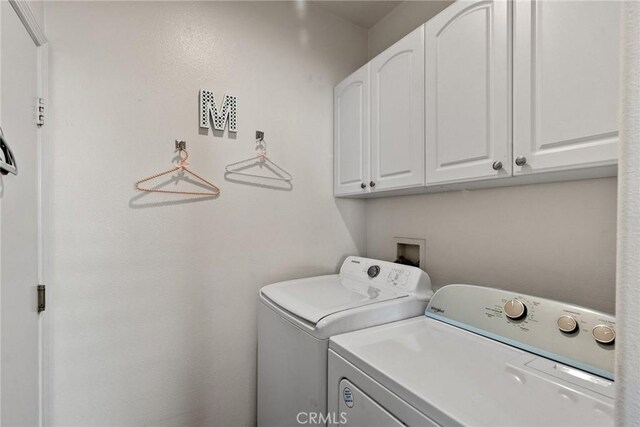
565	83
397	115
486	93
467	93
351	134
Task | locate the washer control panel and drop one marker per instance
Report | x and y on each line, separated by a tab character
567	333
387	274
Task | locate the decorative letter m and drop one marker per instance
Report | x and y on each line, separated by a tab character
209	110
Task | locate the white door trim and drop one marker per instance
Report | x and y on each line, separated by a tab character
26	16
44	230
627	409
29	21
0	213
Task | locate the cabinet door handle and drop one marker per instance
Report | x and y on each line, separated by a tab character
372	184
363	185
521	160
497	165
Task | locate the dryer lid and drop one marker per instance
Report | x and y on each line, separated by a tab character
457	377
317	297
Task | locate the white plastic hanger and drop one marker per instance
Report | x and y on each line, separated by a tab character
261	161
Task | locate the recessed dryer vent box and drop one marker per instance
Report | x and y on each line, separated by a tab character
412	249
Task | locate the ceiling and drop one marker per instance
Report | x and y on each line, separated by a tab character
362	13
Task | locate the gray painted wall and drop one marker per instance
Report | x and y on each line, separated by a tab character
552	240
154	307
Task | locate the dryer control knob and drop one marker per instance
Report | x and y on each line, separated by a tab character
373	271
567	324
603	334
515	309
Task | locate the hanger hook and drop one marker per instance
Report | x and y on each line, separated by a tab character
261	147
183	160
181	147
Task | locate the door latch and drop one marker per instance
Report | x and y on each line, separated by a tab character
40	112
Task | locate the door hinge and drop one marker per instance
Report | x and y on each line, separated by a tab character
41	110
42	302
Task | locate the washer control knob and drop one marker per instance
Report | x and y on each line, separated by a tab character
515	309
603	334
373	271
567	324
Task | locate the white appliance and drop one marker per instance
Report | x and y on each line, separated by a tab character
297	317
480	356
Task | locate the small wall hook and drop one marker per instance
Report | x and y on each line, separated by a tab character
181	145
260	135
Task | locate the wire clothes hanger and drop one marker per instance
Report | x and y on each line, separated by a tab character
181	166
261	160
8	165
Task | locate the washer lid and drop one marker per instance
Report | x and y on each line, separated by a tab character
318	297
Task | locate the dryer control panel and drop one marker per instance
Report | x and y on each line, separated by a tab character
567	333
388	274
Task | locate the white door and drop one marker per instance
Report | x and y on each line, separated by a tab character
351	134
397	115
565	83
467	93
19	369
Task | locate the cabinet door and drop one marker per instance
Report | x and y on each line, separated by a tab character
351	134
566	70
397	114
467	93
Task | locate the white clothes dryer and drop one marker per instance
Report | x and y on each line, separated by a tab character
480	357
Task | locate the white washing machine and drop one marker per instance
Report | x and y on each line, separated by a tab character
480	357
297	317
